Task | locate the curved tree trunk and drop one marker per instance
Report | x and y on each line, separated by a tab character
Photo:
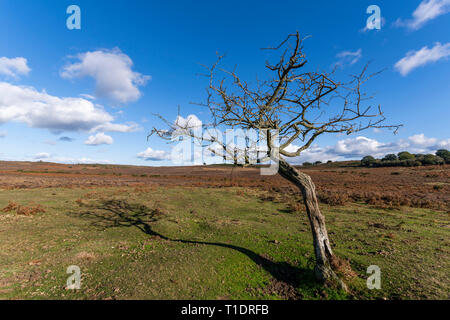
322	248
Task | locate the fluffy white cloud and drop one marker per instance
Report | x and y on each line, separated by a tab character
415	59
154	155
14	67
191	121
421	140
183	127
426	11
349	57
356	146
112	71
99	139
42	110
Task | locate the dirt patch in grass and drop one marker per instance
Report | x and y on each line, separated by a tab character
282	289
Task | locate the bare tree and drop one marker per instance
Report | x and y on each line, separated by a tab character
293	107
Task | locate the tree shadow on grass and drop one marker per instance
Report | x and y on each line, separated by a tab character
119	213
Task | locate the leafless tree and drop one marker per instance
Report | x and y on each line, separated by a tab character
294	107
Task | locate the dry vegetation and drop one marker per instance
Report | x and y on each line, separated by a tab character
337	184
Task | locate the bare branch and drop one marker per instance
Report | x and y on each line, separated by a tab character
300	105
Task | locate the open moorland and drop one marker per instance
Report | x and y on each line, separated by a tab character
219	232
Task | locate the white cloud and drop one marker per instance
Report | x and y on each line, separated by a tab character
3	134
112	71
421	140
14	67
99	139
349	57
154	155
191	122
42	110
415	59
357	146
116	127
186	125
41	156
426	11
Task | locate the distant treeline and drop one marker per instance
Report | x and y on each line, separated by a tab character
406	159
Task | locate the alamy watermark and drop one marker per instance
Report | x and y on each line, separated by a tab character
74	280
73	22
374	21
374	280
199	145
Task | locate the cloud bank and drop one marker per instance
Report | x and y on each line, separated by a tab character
42	110
346	149
356	148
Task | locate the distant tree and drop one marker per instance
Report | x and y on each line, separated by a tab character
330	161
440	160
405	155
307	164
444	154
390	157
293	106
318	162
367	161
431	159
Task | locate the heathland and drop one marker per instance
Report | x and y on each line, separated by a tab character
219	232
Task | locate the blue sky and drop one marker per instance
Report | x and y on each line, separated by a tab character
89	95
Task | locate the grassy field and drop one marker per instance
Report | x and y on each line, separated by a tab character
209	243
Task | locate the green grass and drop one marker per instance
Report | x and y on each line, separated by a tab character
199	243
